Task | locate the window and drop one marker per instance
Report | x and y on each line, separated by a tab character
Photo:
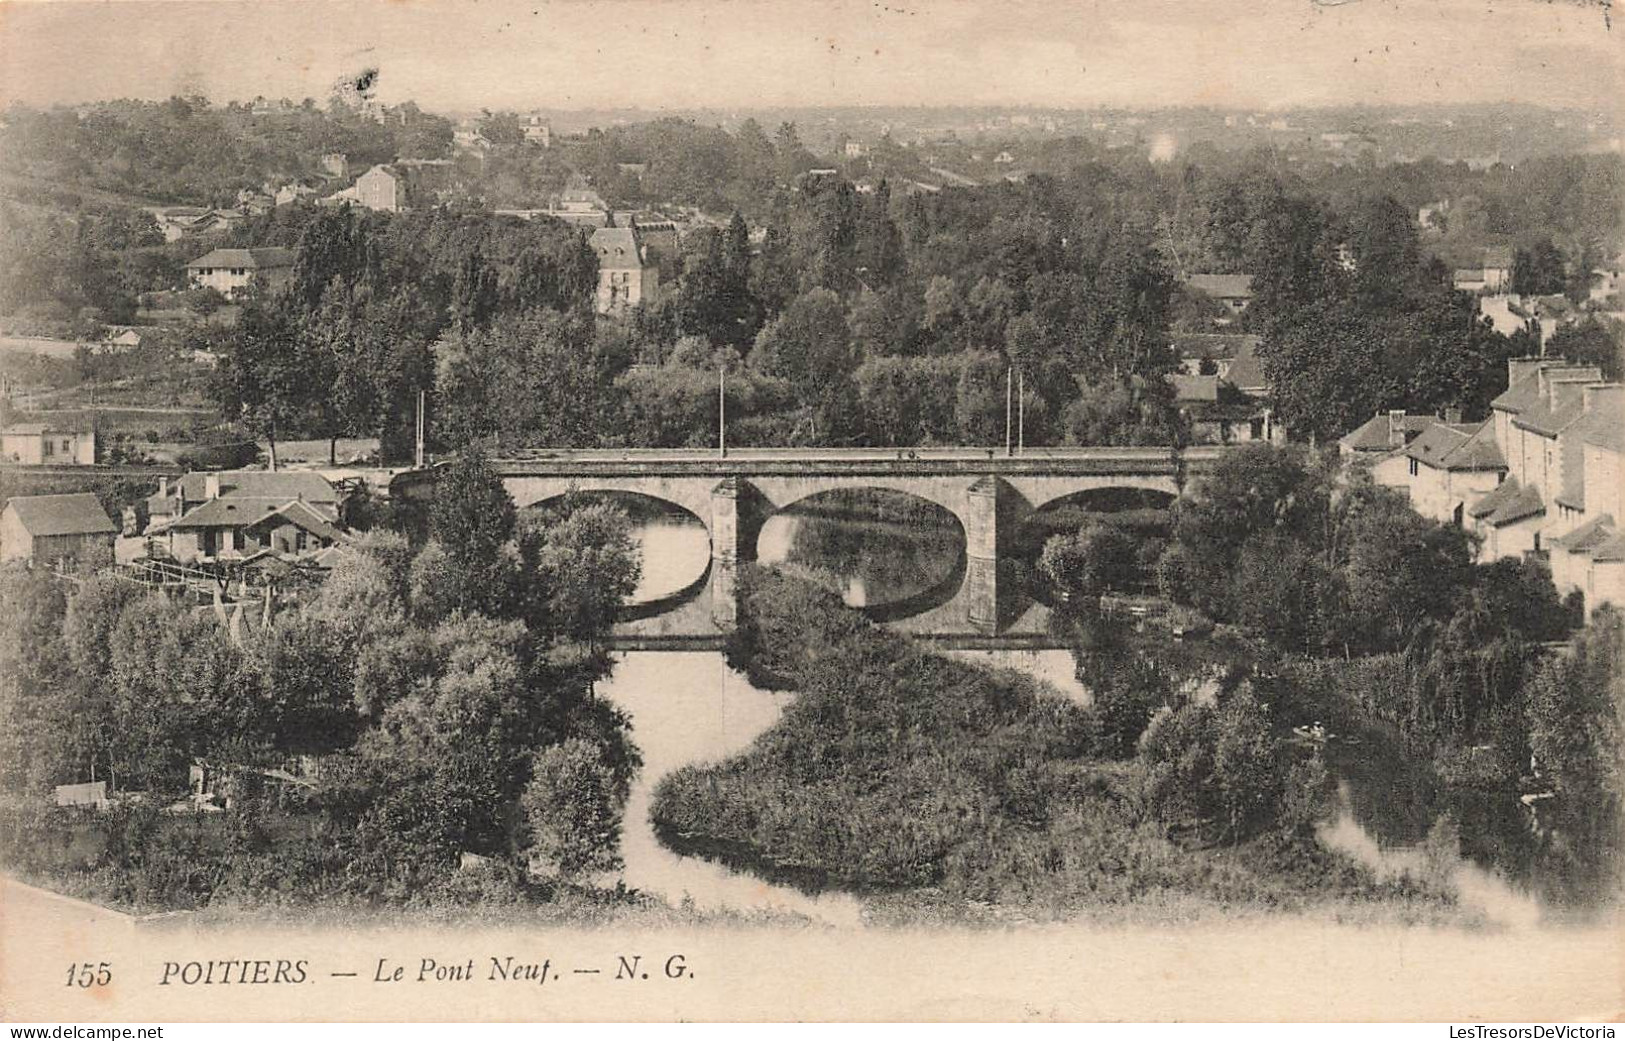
1413	468
237	538
67	446
1537	542
49	448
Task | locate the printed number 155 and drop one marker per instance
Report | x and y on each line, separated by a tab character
88	975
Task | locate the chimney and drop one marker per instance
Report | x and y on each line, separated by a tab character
211	486
1396	428
1601	395
1567	391
163	487
1519	368
1452	415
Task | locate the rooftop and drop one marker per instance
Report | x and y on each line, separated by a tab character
262	258
79	513
1587	536
1457	447
1372	435
617	248
281	485
1222	286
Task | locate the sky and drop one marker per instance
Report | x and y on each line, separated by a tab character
734	54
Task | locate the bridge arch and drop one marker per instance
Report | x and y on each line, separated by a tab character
691	496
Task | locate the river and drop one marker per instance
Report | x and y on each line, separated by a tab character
893	556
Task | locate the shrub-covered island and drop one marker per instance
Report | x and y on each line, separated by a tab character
940	786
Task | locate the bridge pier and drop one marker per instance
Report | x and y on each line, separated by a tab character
725	544
981	522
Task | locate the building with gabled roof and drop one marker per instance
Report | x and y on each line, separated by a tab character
627	276
44	529
49	444
1235	292
1385	432
1444	469
232	271
234	515
1542	477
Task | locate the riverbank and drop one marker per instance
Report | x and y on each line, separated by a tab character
937	790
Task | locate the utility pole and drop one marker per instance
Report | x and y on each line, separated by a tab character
1008	385
420	431
1021	412
722	412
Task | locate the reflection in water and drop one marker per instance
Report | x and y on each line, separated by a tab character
676	552
674	546
1053	666
688	707
888	549
1473	886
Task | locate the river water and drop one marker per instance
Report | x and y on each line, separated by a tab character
688	707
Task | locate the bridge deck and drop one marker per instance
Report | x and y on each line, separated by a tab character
746	461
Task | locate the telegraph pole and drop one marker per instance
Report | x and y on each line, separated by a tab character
420	431
1008	443
1021	412
722	412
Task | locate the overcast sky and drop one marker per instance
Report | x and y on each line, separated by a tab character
681	53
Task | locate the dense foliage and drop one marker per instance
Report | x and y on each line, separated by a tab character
445	706
896	768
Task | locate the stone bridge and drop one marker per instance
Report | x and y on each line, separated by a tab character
989	492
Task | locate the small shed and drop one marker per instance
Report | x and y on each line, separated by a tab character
44	529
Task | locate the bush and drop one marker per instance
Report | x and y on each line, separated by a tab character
571	811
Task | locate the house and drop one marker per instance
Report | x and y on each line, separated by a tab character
335	166
1493	275
291	193
232	271
467	139
1383	433
1542	477
538	131
177	222
855	149
235	514
626	274
1215	352
1445	468
123	340
1218	413
1235	292
1434	215
45	529
41	444
381	188
579	199
1505	312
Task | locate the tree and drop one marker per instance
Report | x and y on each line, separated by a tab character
571	812
1401	567
1245	771
582	564
1595	341
1540	270
262	379
810	347
1254	489
1576	715
471	522
535	379
1099	556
